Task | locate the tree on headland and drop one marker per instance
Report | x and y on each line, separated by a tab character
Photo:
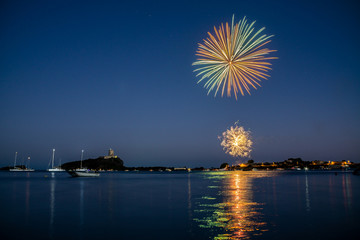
224	165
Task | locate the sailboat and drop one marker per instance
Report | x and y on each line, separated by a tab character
54	169
83	172
17	169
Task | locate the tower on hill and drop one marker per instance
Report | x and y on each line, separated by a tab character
110	155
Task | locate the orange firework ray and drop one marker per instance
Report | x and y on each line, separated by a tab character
233	58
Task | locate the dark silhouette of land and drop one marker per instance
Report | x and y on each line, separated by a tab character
100	163
293	164
114	163
17	166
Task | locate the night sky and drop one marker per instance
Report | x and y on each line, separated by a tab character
98	74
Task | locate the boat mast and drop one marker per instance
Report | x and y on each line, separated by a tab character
82	154
53	156
15	159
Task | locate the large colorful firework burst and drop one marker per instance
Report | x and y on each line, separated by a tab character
236	141
233	58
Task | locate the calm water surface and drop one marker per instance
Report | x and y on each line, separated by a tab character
204	205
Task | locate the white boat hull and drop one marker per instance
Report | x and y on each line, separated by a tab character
21	170
83	174
55	170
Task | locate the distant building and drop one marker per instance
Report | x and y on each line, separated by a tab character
317	162
110	155
180	169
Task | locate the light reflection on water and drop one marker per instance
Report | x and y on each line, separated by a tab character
232	213
52	201
198	205
347	193
81	203
307	194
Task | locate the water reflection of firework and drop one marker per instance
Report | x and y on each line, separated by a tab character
236	141
234	215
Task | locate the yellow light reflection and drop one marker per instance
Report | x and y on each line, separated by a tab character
237	215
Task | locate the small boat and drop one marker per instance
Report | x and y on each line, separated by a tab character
54	169
83	173
17	169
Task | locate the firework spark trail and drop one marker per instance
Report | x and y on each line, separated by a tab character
233	58
236	141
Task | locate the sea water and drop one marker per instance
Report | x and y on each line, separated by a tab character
179	205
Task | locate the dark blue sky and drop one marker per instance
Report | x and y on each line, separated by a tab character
93	75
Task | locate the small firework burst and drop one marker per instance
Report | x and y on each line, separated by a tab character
236	141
